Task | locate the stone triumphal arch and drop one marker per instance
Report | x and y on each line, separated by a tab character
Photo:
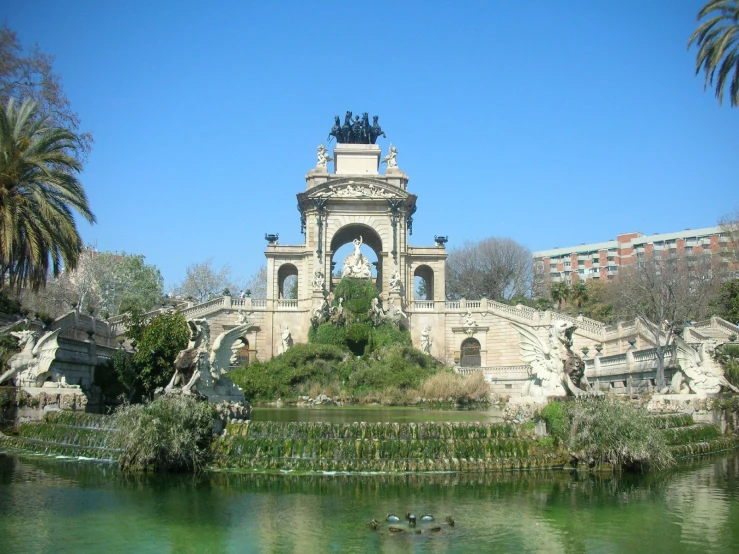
357	204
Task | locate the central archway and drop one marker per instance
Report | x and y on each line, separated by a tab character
470	353
371	241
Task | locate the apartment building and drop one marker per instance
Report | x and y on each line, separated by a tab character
601	260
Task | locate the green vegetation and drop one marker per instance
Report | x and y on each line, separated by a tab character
40	190
718	54
157	341
728	356
390	375
350	359
171	433
726	303
604	430
9	305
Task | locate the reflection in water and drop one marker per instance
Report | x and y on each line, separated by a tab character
49	505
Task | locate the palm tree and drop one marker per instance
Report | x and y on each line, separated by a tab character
717	39
38	192
579	294
559	292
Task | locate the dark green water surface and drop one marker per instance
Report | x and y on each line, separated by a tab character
51	505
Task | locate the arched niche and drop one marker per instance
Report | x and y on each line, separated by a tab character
240	351
470	353
370	239
423	274
287	281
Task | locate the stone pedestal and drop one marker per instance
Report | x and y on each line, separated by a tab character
357	159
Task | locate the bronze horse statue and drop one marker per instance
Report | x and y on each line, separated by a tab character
356	131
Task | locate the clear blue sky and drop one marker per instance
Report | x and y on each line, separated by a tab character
554	123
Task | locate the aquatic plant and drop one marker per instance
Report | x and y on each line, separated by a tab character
600	431
170	433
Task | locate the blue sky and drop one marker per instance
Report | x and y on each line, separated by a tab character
553	123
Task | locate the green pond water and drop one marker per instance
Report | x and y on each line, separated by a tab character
49	505
371	414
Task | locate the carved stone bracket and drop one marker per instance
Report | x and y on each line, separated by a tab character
320	205
469	331
395	208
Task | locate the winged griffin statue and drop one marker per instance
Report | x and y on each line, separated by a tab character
555	369
699	372
31	367
201	370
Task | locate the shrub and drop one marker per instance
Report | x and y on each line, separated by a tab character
107	378
158	340
609	431
386	334
329	334
171	433
310	367
357	295
555	415
399	366
9	305
282	375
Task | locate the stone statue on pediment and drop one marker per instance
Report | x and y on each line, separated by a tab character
390	159
323	157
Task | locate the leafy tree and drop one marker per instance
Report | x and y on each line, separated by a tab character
38	192
560	292
29	76
717	39
125	282
727	301
202	282
104	283
496	268
156	341
598	304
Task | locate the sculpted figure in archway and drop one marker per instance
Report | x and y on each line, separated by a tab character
356	264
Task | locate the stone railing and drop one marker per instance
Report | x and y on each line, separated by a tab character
259	302
453	304
81	322
583	324
288	303
518	311
726	326
205	307
506	373
422	305
474	304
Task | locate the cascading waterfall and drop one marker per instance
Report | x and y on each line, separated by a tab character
66	434
356	447
388	447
